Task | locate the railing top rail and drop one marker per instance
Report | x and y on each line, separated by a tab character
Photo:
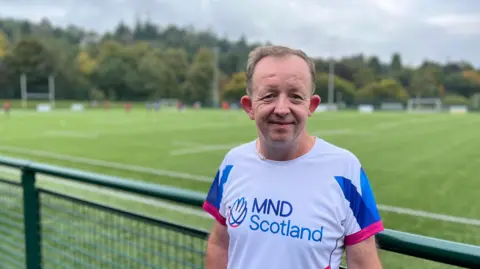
439	250
14	163
399	242
132	186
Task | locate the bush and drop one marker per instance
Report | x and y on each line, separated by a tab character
455	99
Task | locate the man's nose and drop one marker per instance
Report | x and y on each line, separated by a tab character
282	106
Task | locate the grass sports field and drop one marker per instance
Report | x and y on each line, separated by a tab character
424	168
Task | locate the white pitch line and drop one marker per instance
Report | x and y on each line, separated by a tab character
333	132
201	149
120	166
339	132
71	134
391	125
185	144
430	215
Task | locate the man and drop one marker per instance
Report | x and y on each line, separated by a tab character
289	199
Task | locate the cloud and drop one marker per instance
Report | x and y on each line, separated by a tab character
433	29
33	11
396	8
457	24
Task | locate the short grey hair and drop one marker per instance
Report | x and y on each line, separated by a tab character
276	51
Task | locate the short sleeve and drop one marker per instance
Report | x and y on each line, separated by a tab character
363	219
213	203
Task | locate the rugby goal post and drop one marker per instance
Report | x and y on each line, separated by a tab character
432	105
366	108
458	109
326	107
476	100
50	95
392	106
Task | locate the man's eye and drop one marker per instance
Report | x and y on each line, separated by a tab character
297	97
268	96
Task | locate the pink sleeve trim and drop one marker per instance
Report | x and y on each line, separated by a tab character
364	234
212	210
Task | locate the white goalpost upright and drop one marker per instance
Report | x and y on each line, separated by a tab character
432	105
50	95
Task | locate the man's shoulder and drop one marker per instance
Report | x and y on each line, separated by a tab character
342	162
327	149
240	152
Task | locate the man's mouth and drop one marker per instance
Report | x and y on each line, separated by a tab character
281	122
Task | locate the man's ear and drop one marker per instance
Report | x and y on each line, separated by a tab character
314	102
246	103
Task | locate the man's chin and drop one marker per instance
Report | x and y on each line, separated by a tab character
280	141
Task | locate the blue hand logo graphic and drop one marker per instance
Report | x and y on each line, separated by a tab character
237	212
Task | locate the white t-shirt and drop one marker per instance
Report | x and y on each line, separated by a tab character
292	214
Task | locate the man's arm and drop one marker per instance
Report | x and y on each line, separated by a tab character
217	247
363	255
363	221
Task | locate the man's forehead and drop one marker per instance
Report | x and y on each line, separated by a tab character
274	80
282	67
286	71
279	79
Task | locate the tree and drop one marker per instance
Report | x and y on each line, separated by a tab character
364	76
473	76
344	89
150	61
85	63
3	44
386	90
459	84
123	33
31	58
396	64
455	99
375	65
177	61
200	77
344	71
425	82
235	88
110	71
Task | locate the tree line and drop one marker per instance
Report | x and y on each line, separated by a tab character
147	62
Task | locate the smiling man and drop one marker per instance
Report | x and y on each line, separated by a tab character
289	199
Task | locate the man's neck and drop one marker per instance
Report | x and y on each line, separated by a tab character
288	151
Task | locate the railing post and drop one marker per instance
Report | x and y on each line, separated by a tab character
31	218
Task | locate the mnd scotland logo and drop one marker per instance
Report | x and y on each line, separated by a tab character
281	224
237	212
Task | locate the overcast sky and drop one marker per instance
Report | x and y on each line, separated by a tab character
418	29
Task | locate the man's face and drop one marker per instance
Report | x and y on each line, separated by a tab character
281	99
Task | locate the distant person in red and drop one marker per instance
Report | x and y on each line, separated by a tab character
179	105
225	105
6	107
128	107
196	105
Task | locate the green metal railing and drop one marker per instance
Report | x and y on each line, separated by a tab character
41	228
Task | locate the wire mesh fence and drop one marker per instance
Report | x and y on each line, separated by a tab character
12	242
67	232
80	234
